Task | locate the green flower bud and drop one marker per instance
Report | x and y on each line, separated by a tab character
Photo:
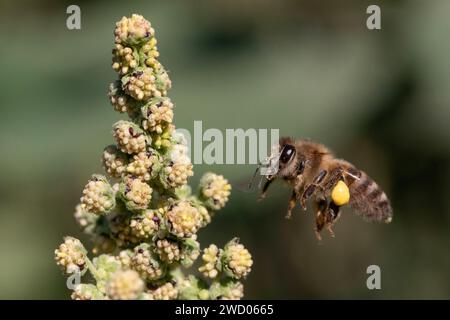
121	231
185	251
119	100
145	165
157	114
87	221
124	59
236	259
133	31
86	292
191	288
141	84
226	290
183	219
146	224
214	190
98	195
146	263
206	216
149	54
130	138
211	262
179	168
166	291
163	82
114	161
71	256
135	193
168	250
105	265
124	258
163	140
190	250
124	285
183	192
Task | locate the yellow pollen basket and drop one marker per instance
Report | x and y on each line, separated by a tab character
340	193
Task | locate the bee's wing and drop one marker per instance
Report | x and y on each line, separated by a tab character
250	185
367	198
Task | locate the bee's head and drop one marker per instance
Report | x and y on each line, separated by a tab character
287	153
287	157
284	158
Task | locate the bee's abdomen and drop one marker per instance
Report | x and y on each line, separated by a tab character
367	197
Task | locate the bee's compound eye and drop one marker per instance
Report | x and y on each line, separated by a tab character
287	153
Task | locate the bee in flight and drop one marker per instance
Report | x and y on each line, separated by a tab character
314	173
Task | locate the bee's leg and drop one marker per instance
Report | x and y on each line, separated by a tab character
310	189
264	189
321	207
332	214
334	176
292	202
298	186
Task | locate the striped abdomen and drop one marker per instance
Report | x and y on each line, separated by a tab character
367	197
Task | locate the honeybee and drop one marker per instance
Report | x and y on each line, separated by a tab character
313	171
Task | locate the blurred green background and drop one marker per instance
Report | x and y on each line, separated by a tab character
379	99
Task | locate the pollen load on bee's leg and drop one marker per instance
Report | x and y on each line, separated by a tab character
340	193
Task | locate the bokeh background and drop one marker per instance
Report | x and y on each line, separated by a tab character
380	99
